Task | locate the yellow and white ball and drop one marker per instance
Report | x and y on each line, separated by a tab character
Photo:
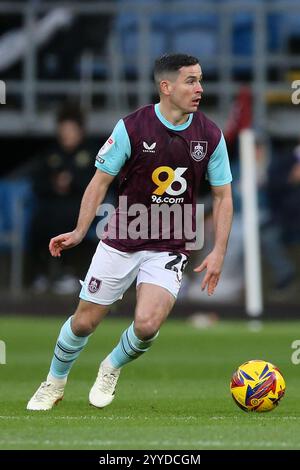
257	386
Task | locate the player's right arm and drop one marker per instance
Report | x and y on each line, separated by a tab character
92	198
109	161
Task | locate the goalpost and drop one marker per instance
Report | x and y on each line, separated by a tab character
252	264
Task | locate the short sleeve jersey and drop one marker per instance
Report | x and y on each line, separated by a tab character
159	163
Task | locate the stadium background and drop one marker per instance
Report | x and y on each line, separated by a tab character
99	56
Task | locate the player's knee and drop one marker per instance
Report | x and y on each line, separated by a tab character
146	328
83	322
82	326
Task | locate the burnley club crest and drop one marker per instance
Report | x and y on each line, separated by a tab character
94	285
198	149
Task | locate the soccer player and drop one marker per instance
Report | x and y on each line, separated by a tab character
161	153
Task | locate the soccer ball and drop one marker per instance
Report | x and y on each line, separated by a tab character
257	386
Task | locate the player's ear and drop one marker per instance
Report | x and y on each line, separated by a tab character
165	87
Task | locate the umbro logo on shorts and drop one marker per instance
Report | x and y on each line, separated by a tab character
149	148
94	285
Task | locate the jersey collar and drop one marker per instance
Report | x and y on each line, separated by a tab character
166	123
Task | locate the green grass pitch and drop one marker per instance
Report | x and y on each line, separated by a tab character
174	397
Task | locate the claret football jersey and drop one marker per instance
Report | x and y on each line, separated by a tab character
160	168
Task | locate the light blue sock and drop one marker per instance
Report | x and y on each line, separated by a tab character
130	347
67	349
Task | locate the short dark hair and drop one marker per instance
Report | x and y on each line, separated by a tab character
172	63
71	111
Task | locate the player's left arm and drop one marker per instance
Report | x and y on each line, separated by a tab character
222	216
219	176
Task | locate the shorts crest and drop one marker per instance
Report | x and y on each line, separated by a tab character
94	285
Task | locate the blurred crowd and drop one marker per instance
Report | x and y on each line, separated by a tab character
61	31
57	178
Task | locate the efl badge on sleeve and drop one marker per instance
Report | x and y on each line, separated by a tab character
104	149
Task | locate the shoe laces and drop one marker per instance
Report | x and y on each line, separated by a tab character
108	381
46	391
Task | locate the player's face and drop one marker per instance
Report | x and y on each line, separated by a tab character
186	89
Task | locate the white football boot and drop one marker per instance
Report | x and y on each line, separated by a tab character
47	395
102	392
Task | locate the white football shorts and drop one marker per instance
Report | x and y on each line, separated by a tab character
112	272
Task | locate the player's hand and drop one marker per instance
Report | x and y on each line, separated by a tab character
213	265
65	241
